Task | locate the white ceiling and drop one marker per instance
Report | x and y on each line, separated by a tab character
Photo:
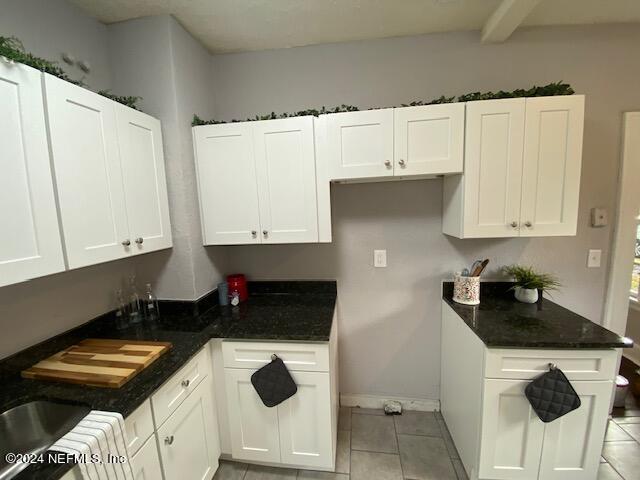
243	25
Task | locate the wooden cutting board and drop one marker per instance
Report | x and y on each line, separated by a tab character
98	362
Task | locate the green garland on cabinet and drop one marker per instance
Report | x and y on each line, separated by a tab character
557	88
13	50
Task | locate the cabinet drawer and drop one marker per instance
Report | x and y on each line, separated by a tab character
311	357
139	427
528	364
175	390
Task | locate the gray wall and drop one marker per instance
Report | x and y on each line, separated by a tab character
390	317
47	28
155	58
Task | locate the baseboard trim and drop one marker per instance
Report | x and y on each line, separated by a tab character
377	401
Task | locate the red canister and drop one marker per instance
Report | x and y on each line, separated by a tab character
238	283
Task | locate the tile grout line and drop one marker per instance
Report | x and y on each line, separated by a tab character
395	430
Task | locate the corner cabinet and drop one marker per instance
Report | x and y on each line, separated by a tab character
521	177
109	170
31	246
494	428
300	432
403	142
260	182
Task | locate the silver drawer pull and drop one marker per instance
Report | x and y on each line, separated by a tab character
168	440
185	383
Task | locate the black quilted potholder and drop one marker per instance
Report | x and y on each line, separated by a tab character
273	382
551	395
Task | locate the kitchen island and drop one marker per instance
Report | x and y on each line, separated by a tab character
490	353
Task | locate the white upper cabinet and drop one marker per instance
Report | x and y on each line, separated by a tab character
522	169
30	245
285	165
86	157
552	164
227	187
143	175
257	182
109	169
429	139
360	144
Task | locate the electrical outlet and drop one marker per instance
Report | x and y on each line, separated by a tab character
380	258
599	217
594	258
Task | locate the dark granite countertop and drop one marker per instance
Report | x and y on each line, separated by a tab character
285	311
501	321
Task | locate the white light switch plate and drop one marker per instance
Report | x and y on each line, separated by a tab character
593	260
379	258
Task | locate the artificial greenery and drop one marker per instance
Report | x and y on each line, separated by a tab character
527	277
552	89
129	101
13	50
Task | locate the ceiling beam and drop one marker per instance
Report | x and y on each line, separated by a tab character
505	19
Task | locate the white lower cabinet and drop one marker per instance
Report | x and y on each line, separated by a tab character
573	443
254	427
146	463
299	432
498	435
188	440
304	421
512	434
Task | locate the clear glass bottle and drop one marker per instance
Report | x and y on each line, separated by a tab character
135	305
151	307
122	317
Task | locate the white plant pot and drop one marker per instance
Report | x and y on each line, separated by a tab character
526	295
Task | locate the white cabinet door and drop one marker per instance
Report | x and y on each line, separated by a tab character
429	140
84	144
146	463
573	443
30	245
188	440
254	427
305	422
552	163
360	144
512	433
227	183
143	177
493	168
286	176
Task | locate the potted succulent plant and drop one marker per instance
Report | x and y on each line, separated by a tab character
530	284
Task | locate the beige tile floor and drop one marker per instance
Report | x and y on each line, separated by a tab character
373	446
417	446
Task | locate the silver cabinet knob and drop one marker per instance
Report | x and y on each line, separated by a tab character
168	440
514	224
185	383
139	240
401	162
126	242
254	233
387	163
528	224
265	232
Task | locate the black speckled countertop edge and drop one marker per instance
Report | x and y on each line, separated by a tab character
501	321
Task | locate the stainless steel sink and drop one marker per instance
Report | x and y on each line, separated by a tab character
32	428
